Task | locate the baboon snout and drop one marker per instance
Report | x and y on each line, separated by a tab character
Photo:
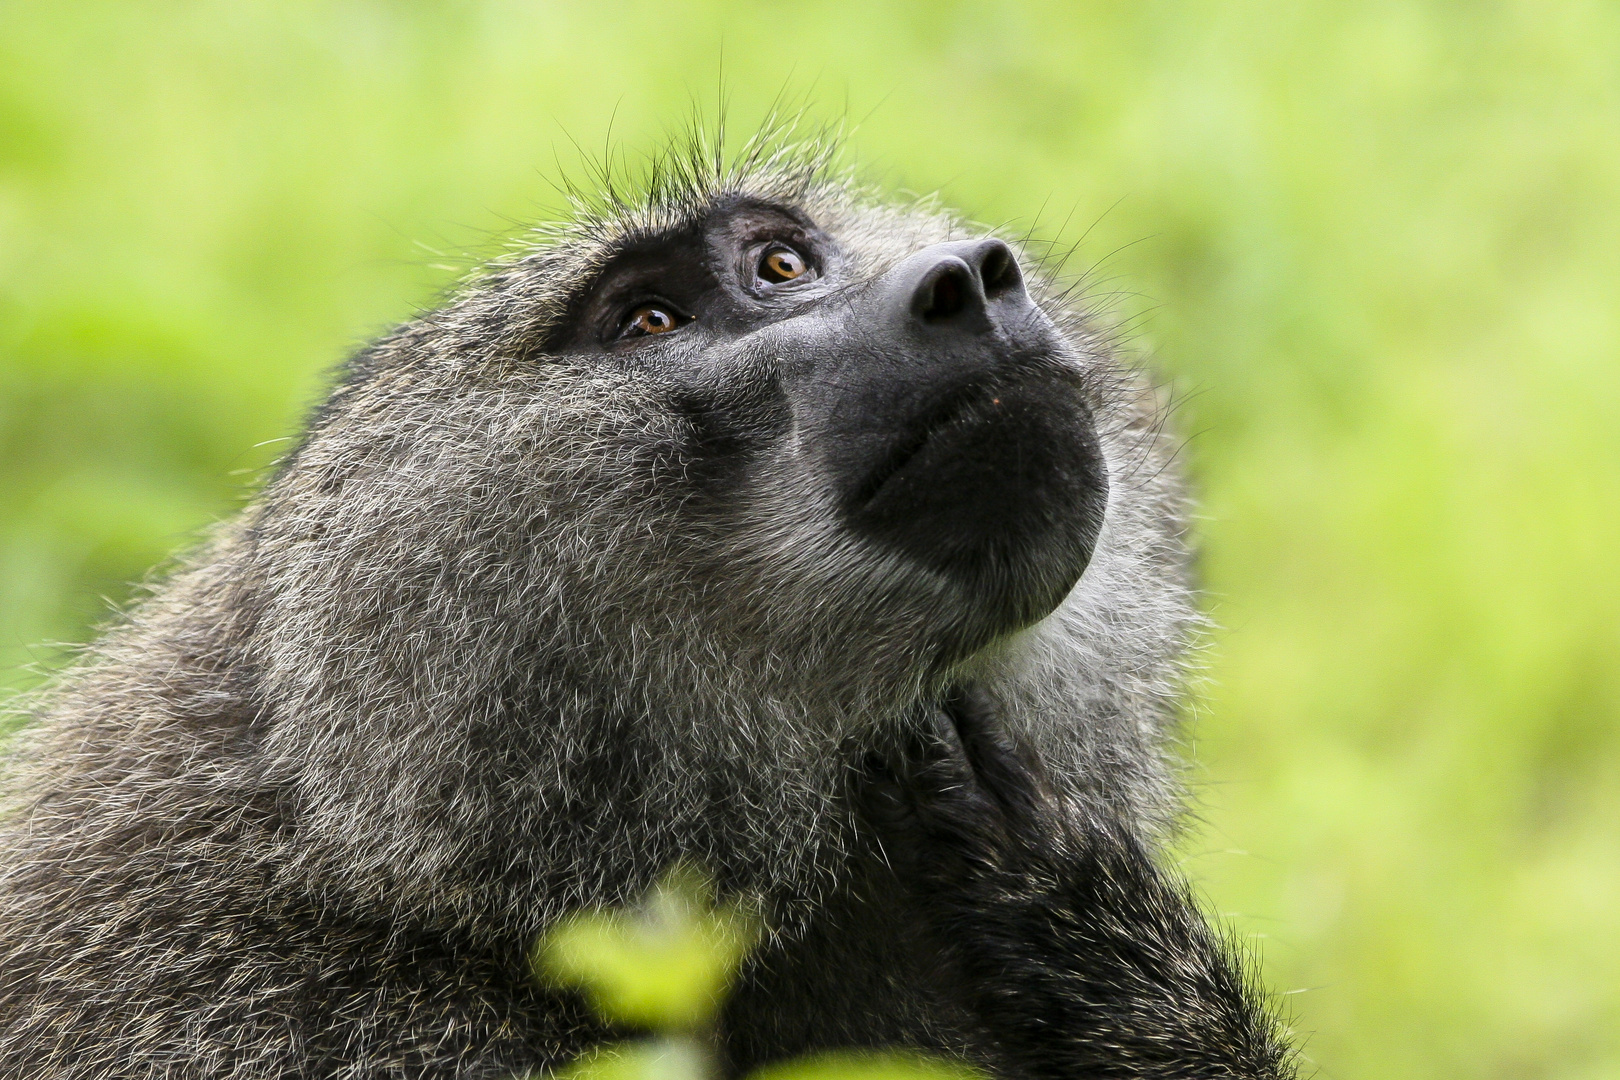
955	424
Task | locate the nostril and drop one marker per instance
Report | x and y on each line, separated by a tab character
1000	272
946	292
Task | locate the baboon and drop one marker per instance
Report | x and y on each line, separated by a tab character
756	521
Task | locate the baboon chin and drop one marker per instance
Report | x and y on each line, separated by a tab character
759	523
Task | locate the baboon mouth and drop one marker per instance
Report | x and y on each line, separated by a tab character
957	430
999	484
947	414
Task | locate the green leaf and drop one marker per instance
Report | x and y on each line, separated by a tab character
658	1059
663	965
852	1065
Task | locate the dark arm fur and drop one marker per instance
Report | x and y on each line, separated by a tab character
1076	953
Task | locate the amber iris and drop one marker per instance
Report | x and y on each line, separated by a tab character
781	264
650	319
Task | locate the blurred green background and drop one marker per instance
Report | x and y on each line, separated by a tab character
1376	245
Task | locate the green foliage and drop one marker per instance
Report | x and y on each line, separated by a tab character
677	1058
1377	245
852	1065
683	1058
665	966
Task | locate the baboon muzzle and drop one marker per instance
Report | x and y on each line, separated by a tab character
956	429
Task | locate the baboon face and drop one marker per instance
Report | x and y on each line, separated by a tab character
927	408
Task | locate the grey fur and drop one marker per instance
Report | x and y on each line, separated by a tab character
469	661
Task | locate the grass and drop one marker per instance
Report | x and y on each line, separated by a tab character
1377	246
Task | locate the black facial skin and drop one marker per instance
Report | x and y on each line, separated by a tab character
936	399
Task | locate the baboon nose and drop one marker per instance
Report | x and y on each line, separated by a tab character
961	285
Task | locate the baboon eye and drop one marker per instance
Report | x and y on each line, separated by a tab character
781	263
647	319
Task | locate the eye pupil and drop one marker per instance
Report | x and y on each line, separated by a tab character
781	264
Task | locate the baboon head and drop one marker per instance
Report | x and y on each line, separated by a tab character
622	553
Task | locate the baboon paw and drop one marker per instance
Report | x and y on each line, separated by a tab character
958	790
1004	767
